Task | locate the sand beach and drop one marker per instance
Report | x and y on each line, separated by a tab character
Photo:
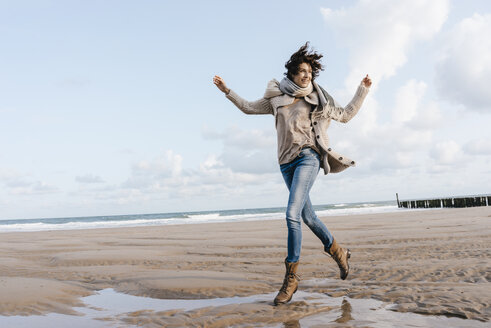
431	262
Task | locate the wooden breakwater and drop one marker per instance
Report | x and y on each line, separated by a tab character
464	201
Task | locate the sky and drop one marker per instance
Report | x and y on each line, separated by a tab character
108	107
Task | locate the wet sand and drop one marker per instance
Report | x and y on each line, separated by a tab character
432	262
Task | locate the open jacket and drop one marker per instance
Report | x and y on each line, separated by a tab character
325	108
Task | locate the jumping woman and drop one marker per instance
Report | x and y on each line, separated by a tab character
303	111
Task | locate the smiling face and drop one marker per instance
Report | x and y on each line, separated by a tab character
304	75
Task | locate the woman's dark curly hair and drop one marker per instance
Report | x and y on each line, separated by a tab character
303	55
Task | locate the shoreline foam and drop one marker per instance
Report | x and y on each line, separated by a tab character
140	220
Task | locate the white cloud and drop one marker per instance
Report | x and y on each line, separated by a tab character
428	117
35	188
408	100
379	33
246	151
446	152
89	178
152	173
463	73
478	147
384	162
411	140
399	139
21	184
219	174
234	136
239	173
17	182
411	111
165	176
170	164
6	174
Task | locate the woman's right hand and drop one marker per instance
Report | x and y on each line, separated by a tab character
220	83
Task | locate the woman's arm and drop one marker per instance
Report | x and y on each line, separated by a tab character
344	114
261	106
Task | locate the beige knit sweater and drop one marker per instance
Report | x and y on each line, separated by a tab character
332	162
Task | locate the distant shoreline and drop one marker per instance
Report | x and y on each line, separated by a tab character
158	219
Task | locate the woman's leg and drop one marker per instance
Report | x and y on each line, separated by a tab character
339	254
299	177
316	225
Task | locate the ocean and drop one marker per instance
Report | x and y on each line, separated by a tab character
157	219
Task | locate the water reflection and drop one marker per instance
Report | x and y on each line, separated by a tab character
335	312
345	312
292	324
344	316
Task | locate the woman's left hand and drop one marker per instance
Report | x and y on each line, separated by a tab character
367	81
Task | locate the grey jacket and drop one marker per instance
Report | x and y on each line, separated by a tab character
325	109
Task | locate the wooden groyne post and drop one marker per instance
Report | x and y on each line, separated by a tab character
465	201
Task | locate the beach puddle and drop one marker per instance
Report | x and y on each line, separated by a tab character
109	308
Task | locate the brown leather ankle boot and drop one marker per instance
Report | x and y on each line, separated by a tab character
290	284
341	256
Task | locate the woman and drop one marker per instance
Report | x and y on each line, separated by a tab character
303	111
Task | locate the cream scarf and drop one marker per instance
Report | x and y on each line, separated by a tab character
286	86
292	89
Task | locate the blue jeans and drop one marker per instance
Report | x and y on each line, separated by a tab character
299	176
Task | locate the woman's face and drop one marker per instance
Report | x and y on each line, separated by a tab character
304	75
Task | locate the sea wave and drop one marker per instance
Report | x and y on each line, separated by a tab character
183	218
